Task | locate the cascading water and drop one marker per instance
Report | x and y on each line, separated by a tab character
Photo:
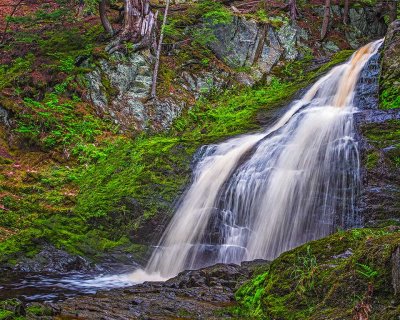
258	195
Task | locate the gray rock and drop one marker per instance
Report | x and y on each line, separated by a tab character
4	117
287	37
330	46
364	24
193	294
245	43
119	87
51	259
347	254
244	78
96	91
163	112
378	202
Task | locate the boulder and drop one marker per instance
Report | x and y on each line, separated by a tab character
119	87
4	117
51	259
244	43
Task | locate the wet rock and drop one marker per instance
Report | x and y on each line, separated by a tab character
379	204
15	306
378	116
193	294
51	259
367	89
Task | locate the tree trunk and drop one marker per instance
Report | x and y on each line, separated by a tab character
139	26
158	54
346	12
325	23
294	12
104	19
139	21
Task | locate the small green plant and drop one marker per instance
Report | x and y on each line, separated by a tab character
304	271
129	47
262	16
366	271
250	295
67	64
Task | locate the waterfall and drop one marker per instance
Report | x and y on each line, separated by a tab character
258	195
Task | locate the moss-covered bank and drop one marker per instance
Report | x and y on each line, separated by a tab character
346	275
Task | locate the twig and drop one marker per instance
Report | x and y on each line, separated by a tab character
157	64
8	20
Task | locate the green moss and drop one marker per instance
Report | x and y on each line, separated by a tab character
6	315
12	74
390	98
372	160
383	136
38	310
11	309
315	282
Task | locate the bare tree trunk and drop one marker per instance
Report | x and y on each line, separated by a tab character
294	12
325	23
346	12
158	54
392	11
139	26
139	21
104	19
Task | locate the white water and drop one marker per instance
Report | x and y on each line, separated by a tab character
258	195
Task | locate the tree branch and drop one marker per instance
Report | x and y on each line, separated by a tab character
8	21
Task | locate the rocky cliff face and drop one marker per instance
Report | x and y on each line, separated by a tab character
380	136
246	50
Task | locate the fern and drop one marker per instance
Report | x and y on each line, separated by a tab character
366	271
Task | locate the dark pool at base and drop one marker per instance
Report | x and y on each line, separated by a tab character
34	287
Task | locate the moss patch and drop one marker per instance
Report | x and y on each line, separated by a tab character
386	138
328	278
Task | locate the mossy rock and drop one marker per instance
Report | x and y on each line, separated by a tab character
390	76
327	279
